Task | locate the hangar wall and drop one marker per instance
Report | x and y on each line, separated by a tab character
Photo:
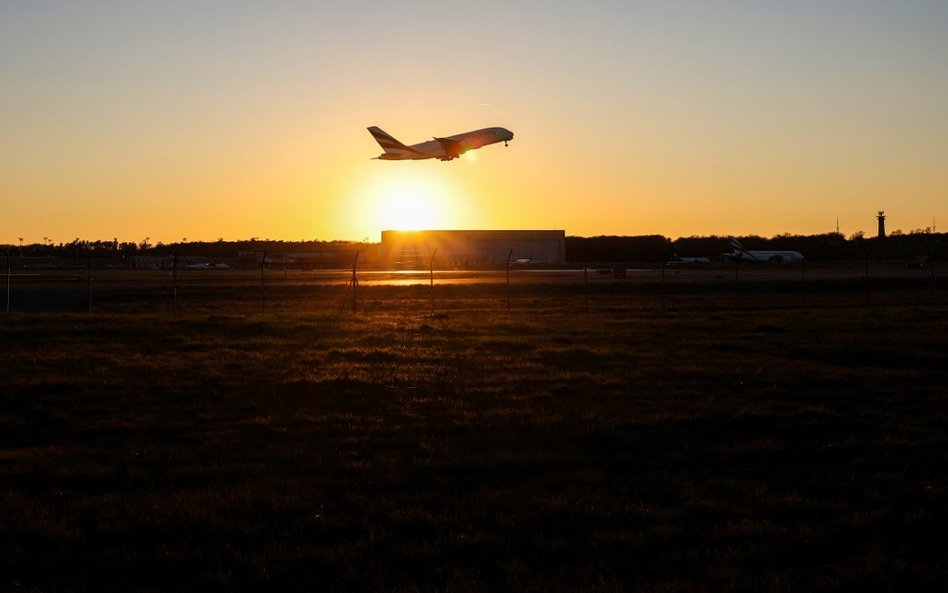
413	249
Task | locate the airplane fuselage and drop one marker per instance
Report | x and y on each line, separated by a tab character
770	256
445	149
739	253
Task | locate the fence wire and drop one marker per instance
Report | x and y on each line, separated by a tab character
658	287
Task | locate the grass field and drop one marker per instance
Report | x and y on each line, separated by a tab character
471	449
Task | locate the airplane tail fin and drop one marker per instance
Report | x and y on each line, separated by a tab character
736	245
388	142
394	150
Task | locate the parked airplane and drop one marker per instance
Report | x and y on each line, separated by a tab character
677	260
445	149
762	256
208	266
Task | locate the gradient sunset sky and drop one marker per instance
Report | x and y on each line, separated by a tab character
208	119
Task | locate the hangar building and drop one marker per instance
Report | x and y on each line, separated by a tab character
413	249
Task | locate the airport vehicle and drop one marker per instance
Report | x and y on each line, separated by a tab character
739	253
445	149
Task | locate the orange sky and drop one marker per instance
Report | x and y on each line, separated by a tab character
202	120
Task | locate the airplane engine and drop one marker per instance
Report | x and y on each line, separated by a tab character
452	148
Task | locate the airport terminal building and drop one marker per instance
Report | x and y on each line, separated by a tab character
414	249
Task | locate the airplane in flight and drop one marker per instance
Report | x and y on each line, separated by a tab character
778	257
444	149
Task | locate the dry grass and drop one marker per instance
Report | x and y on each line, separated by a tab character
475	450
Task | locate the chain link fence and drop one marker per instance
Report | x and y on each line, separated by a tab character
84	287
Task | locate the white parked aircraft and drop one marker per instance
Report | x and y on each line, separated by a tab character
677	260
208	266
762	256
445	149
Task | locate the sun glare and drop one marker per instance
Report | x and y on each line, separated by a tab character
408	207
407	200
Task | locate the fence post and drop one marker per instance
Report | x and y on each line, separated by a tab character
174	283
663	285
586	283
263	284
89	273
737	282
355	285
872	249
804	283
431	270
8	282
509	254
931	273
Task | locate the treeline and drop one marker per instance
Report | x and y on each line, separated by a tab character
219	249
641	248
825	247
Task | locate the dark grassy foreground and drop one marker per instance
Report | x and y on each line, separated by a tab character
797	450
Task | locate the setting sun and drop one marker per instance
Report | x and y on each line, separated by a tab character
408	198
408	207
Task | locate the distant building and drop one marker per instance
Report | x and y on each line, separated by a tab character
413	249
881	217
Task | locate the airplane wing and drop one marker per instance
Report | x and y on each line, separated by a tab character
452	148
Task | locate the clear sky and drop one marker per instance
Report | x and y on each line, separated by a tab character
212	119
